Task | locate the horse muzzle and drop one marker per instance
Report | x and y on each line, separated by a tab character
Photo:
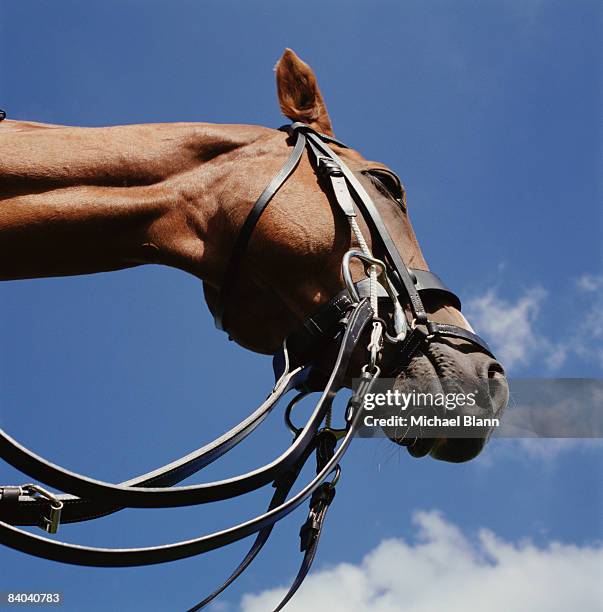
452	368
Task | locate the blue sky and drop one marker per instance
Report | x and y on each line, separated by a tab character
490	113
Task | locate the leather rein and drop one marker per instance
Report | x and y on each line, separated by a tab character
344	322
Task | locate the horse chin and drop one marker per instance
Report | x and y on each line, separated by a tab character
445	362
452	450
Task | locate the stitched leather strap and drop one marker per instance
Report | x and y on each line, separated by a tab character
83	555
426	281
32	511
282	488
401	276
319	504
453	331
240	246
319	329
309	553
102	557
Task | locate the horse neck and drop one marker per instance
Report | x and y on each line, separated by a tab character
84	200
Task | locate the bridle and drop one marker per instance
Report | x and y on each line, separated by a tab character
342	322
396	278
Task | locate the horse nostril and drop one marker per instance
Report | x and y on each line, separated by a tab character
495	370
498	387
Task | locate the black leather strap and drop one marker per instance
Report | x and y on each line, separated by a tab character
259	542
33	511
83	555
310	531
242	240
410	283
401	276
156	497
453	331
320	502
319	329
282	488
253	217
298	126
426	281
102	557
309	556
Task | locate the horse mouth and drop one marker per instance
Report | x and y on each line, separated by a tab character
448	368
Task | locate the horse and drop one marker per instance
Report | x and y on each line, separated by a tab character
79	200
260	224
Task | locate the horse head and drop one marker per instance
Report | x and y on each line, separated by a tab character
292	264
83	200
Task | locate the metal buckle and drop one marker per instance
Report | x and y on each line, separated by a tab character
375	345
400	324
336	476
52	521
338	434
431	332
347	275
328	167
298	398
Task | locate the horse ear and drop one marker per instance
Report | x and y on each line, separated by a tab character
298	93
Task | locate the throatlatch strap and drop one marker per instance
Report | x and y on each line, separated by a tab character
253	217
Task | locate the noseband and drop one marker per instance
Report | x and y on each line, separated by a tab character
340	322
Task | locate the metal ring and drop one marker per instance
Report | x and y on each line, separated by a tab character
337	433
347	275
51	522
55	502
337	476
400	324
374	370
423	321
300	396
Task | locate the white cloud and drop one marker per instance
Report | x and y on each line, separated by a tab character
510	326
589	337
548	449
545	450
446	570
590	282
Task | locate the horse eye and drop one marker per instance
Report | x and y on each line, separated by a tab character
389	184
